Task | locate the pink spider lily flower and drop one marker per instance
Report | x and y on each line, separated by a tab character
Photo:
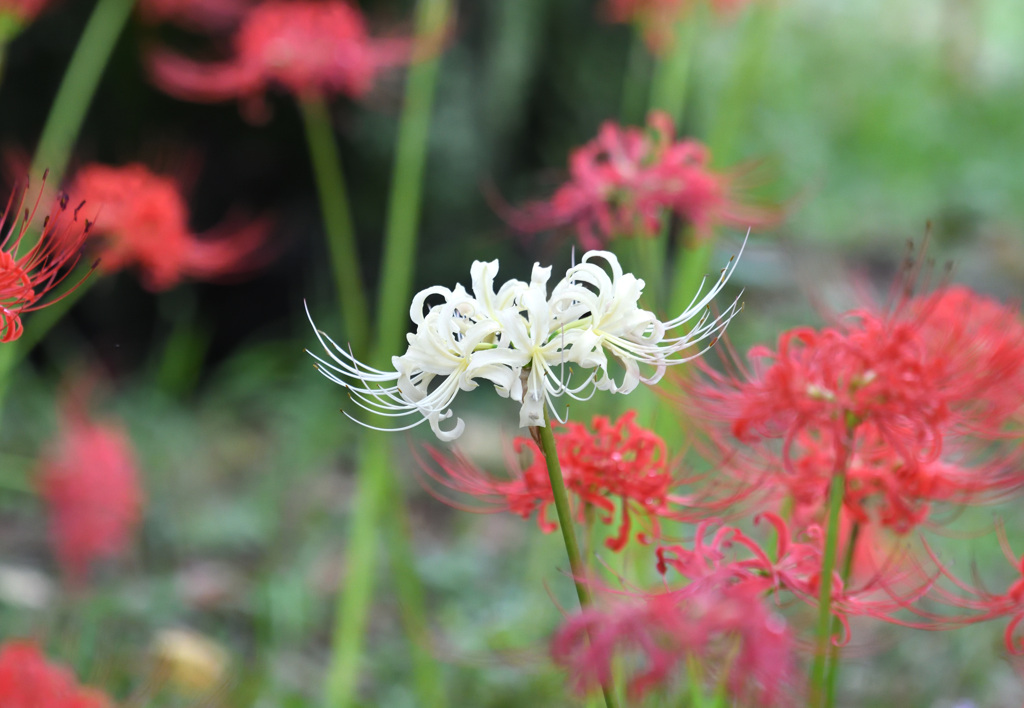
886	585
625	181
728	630
199	15
27	275
520	338
307	48
607	466
90	482
141	220
718	622
728	554
657	18
28	680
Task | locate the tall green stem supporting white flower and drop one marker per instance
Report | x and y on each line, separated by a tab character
546	440
378	493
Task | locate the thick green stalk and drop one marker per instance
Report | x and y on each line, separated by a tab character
341	236
823	634
672	72
669	86
832	678
181	362
668	93
734	110
375	474
407	182
635	80
565	520
78	86
16	474
63	124
735	105
353	602
427	677
568	527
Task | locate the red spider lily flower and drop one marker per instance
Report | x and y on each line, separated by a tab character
730	555
624	182
980	604
142	220
726	627
306	48
883	488
25	278
606	463
91	486
657	18
914	397
869	369
976	334
28	680
200	15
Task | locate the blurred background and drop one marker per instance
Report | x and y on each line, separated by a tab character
864	123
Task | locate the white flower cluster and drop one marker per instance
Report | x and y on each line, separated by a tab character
521	339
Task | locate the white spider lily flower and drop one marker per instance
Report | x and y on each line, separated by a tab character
536	345
520	339
615	324
482	275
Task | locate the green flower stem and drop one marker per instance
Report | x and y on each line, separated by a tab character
427	677
638	69
353	602
823	634
832	678
672	72
740	93
78	86
188	340
730	120
16	474
565	522
691	266
341	237
407	186
60	132
377	490
668	93
42	321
